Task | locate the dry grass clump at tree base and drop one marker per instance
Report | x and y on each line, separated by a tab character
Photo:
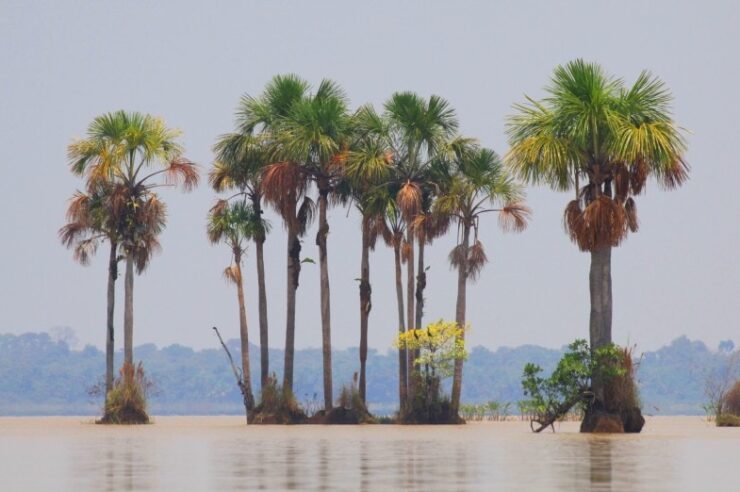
429	405
728	420
277	406
732	400
350	409
621	406
731	415
126	403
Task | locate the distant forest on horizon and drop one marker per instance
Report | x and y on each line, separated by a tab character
41	375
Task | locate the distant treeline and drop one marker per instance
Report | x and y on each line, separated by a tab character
43	376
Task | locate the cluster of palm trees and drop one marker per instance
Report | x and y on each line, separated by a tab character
406	169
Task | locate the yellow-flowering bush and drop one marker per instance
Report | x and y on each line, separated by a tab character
439	345
436	349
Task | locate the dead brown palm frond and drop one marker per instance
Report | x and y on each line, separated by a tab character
435	225
457	256
119	200
219	207
514	217
630	210
79	207
85	249
71	232
409	199
151	215
181	171
283	183
477	259
231	274
374	225
604	224
639	172
146	247
573	220
675	175
405	251
305	215
621	182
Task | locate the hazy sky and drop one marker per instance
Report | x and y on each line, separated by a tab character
63	63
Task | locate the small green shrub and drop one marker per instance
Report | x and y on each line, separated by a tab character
569	385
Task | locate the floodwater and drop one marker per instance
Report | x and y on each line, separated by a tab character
221	453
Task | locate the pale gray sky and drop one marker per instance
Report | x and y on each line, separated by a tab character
63	63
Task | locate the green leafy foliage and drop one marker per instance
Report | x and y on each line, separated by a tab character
570	382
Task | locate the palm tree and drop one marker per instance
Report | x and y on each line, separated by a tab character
315	135
368	166
94	217
120	148
592	128
420	130
240	160
235	224
478	184
284	185
395	238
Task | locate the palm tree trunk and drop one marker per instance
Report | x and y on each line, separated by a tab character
402	368
421	282
110	335
293	273
600	323
244	336
128	311
410	313
462	283
365	306
325	298
262	295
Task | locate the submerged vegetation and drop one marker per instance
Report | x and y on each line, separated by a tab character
411	174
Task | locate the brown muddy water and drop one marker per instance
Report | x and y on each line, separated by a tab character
221	453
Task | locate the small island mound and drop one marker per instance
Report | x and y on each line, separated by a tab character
729	416
126	403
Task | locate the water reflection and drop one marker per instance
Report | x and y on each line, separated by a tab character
474	457
112	464
600	463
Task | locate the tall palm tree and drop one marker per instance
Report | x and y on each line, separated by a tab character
315	134
235	224
94	217
284	185
368	165
420	130
593	129
121	148
396	239
478	184
240	160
